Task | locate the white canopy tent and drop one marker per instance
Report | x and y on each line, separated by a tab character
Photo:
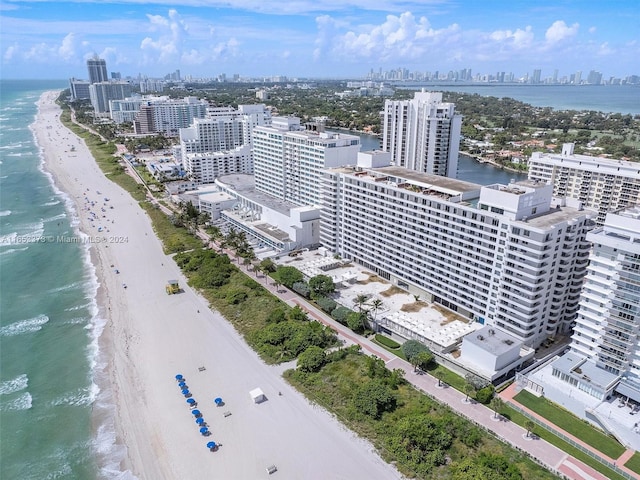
257	395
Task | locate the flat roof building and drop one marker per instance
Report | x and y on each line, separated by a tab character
101	93
607	327
288	160
508	256
602	184
221	143
422	134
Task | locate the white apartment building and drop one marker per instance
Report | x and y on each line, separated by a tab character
79	89
503	255
607	330
125	110
166	115
101	93
288	160
204	168
220	144
599	183
422	134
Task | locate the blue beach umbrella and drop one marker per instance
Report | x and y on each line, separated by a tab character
211	445
218	401
190	401
195	412
199	420
204	430
182	384
179	377
185	391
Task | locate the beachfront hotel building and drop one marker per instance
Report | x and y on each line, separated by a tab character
599	183
166	115
125	110
221	143
422	134
606	338
288	159
102	93
79	89
97	70
508	256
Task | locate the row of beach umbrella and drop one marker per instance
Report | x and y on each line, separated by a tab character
199	419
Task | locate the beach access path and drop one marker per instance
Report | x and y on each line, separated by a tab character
150	337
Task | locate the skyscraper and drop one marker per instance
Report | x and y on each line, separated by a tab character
97	68
422	134
288	160
608	321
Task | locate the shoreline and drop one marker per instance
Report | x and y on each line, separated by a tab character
480	159
106	431
149	337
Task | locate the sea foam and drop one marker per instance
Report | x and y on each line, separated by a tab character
23	402
14	385
30	325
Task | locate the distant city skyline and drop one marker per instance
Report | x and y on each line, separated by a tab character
319	39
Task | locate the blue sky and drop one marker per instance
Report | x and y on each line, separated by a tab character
318	38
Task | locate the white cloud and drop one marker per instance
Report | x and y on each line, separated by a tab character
67	50
168	46
11	52
592	30
604	49
559	30
518	38
398	37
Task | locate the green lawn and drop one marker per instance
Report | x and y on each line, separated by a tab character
450	378
516	417
634	463
570	423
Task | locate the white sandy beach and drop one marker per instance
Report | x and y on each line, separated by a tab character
152	336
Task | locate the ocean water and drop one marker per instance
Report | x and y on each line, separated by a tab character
55	423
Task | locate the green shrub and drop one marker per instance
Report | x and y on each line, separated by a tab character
340	314
301	288
386	341
373	399
236	296
288	275
484	395
312	359
326	304
411	348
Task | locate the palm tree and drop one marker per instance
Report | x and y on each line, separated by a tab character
256	268
375	304
439	374
246	262
361	301
496	405
529	425
469	390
